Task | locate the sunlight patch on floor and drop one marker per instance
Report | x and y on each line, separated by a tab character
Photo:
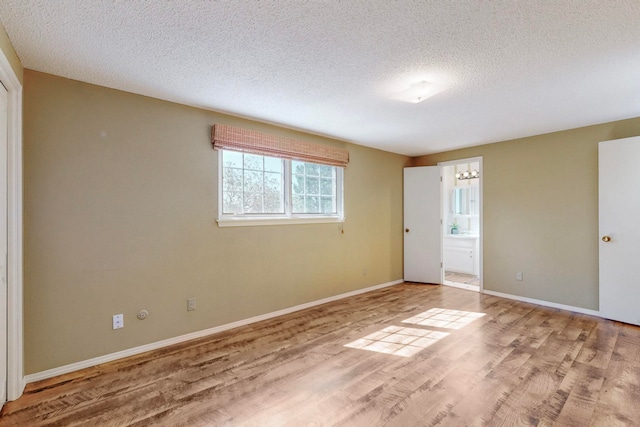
399	341
443	318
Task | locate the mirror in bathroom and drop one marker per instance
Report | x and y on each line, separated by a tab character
464	201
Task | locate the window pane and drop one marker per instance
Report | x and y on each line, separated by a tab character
253	162
232	159
273	203
327	205
272	164
313	186
312	169
253	203
232	203
298	204
232	179
252	181
312	205
272	182
297	184
326	170
326	187
297	167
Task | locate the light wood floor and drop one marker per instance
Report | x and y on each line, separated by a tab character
485	361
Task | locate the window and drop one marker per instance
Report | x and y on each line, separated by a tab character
257	189
271	179
252	184
314	188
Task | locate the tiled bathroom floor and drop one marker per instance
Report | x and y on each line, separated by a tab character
467	279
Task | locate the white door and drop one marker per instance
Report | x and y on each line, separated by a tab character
422	240
3	244
619	205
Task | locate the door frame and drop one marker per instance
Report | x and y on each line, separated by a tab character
480	217
15	339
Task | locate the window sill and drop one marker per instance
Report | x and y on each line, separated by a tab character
248	222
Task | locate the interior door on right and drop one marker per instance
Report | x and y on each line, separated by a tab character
619	206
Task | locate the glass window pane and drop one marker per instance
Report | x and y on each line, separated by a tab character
272	182
298	204
297	184
313	186
326	170
232	203
253	162
272	164
273	203
297	167
326	187
252	181
232	159
252	202
232	179
328	207
312	205
312	169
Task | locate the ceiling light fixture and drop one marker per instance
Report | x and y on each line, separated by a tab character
420	91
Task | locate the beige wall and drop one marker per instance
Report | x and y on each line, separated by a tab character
541	212
120	206
10	53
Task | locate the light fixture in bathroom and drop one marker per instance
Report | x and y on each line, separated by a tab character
420	91
468	174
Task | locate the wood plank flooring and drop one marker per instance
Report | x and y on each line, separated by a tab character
428	355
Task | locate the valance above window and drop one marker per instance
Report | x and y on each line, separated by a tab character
249	141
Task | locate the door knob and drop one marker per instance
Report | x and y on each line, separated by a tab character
406	230
606	238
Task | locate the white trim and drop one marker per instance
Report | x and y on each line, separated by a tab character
245	221
466	286
193	335
15	379
544	303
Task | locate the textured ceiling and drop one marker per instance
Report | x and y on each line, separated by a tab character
515	68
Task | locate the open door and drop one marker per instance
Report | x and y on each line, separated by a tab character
422	239
619	203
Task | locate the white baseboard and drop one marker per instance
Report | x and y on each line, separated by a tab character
464	286
49	373
544	303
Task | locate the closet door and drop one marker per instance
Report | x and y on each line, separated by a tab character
619	205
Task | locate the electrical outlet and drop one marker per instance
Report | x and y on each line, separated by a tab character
118	321
519	276
191	304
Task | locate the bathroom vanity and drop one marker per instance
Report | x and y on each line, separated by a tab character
461	253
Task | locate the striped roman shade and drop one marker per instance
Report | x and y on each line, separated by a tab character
249	141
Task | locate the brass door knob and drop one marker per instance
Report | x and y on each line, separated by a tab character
406	230
606	238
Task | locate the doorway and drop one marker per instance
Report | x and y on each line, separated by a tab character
461	213
12	164
3	242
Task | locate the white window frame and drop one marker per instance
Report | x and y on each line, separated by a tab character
231	220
